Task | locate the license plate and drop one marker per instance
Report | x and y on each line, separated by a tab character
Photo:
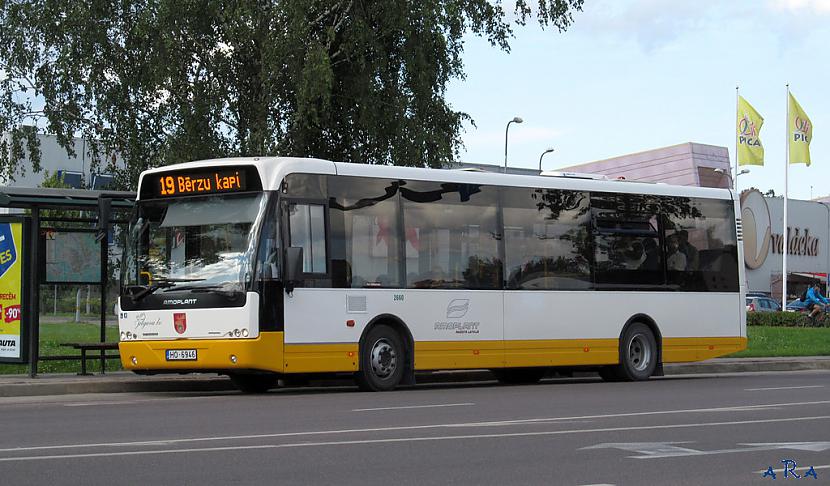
181	355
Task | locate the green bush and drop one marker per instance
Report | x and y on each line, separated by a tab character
775	319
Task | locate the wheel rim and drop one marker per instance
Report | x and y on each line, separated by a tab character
639	352
384	358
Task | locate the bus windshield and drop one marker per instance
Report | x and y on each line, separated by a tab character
194	243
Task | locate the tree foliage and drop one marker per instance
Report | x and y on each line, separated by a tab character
165	81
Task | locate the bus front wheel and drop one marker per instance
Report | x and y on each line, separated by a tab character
382	360
638	356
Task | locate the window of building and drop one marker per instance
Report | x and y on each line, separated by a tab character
365	233
547	239
452	235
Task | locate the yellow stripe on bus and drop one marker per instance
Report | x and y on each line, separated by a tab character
315	358
676	350
269	353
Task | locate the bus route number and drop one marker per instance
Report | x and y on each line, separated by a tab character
398	298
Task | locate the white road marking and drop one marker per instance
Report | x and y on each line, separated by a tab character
126	402
416	427
414	406
784	388
661	450
409	439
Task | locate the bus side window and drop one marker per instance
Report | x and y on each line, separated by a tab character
307	231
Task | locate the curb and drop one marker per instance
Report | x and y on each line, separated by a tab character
125	382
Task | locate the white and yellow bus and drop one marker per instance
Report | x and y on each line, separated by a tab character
269	268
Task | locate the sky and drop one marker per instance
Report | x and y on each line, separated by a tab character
634	75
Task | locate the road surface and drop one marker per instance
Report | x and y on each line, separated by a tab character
684	430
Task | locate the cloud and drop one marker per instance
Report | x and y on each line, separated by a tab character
653	24
802	6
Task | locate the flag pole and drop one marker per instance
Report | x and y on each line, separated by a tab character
737	128
786	188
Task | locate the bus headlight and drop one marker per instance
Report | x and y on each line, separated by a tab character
233	359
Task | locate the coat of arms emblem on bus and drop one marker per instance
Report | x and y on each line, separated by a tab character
458	308
180	322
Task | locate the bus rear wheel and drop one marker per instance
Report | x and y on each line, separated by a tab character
382	360
638	355
252	383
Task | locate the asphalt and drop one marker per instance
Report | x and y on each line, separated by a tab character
126	382
683	430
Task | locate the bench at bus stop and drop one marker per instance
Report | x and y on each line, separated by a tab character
84	347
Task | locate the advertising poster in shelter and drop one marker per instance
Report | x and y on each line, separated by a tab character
11	290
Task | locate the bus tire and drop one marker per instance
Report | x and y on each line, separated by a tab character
638	353
253	383
382	360
519	376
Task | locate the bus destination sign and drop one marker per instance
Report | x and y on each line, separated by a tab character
187	184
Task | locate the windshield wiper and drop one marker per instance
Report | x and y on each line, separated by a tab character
161	283
194	288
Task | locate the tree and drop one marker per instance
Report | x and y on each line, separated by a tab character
165	81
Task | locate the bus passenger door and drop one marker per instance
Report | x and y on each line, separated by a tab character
315	338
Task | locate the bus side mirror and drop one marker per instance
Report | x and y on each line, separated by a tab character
293	267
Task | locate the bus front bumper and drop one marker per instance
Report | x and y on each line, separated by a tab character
264	353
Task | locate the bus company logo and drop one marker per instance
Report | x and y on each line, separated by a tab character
8	344
180	322
458	308
179	301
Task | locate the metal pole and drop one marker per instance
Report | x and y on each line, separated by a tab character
786	175
515	119
505	145
737	127
104	278
34	292
540	158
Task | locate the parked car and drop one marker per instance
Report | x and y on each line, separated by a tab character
761	304
797	305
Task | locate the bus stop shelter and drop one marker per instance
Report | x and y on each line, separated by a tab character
32	215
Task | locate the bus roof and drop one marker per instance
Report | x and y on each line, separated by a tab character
273	170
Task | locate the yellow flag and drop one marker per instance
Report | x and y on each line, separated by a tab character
750	150
800	133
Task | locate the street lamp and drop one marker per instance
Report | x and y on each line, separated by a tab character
515	119
723	172
549	150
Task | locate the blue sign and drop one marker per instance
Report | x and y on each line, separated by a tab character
8	252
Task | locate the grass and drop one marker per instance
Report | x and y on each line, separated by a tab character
767	341
53	334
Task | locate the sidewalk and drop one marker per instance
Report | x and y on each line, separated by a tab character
121	381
